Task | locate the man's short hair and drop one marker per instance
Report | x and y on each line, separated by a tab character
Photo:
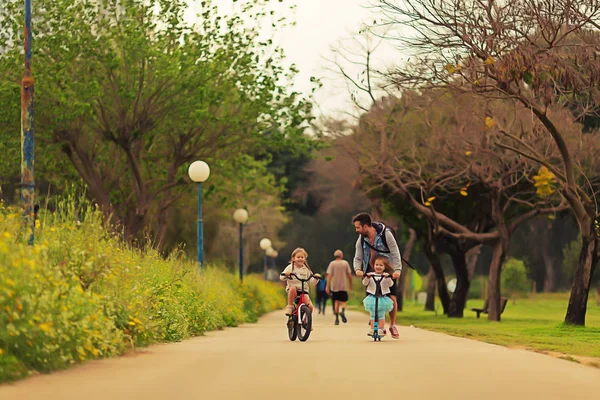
363	218
338	253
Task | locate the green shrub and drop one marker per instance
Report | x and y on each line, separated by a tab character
476	287
81	294
514	277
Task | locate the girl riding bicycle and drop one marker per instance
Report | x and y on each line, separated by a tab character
298	266
385	304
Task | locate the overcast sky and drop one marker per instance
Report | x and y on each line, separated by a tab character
321	25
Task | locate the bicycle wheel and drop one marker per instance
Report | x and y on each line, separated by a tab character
292	330
304	323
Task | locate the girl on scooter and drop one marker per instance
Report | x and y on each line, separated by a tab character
385	304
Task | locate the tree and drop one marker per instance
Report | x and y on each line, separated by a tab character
538	55
131	94
428	154
421	155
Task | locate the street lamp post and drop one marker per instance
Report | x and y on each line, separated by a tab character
27	144
241	216
265	244
199	172
272	253
274	256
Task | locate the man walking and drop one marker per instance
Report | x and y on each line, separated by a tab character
374	238
339	280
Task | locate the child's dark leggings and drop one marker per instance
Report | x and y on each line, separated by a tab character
321	301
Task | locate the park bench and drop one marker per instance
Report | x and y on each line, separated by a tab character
484	310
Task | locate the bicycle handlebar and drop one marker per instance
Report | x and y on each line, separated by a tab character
300	279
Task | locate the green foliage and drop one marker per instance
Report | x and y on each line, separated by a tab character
514	276
571	254
129	93
80	294
476	287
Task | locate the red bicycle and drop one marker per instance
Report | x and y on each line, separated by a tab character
299	323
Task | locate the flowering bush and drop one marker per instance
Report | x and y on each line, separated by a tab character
81	294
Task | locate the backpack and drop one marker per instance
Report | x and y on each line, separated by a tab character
383	239
322	285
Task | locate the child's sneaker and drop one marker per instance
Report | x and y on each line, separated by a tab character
381	332
371	332
289	310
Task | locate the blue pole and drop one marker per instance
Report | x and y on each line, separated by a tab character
241	254
265	265
200	237
27	144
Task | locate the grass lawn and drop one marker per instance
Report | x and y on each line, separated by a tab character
534	324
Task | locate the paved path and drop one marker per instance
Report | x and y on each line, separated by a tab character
257	361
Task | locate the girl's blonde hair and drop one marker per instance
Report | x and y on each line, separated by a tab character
296	251
386	262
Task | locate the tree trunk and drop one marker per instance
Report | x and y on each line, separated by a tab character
472	257
163	209
457	304
440	279
498	255
406	255
584	271
400	292
161	231
134	228
430	302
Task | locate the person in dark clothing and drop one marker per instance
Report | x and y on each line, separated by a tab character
322	295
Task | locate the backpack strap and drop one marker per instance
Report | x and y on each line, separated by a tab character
383	240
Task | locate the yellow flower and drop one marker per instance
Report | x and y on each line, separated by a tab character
45	327
1	352
10	282
428	201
